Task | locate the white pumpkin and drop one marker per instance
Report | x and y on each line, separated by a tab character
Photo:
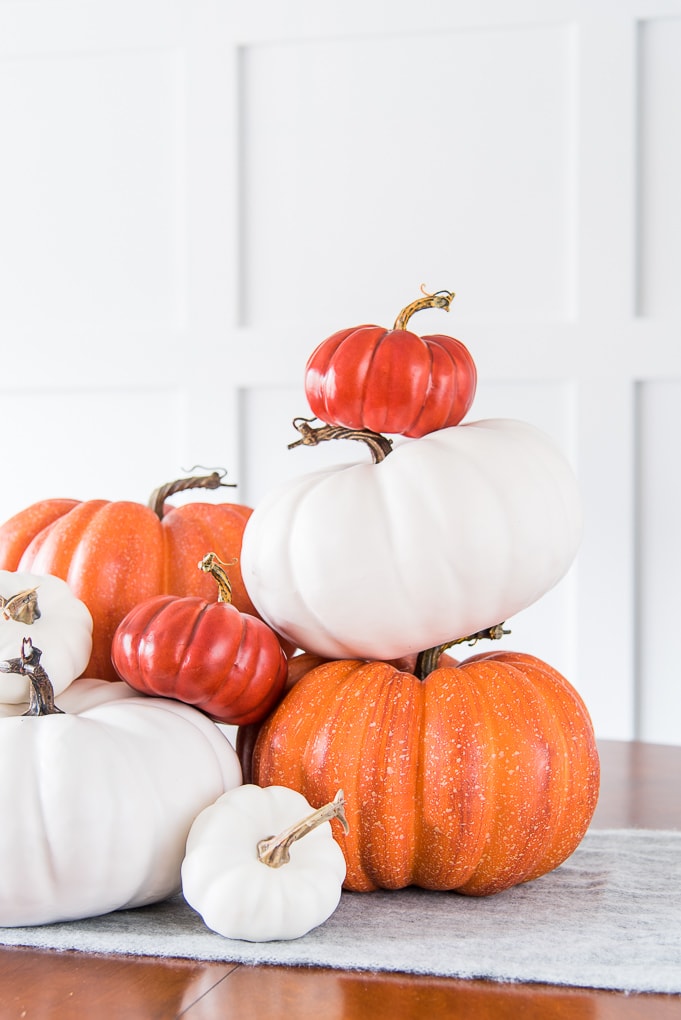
450	534
262	864
96	803
44	608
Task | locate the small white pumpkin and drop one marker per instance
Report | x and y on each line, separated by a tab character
249	873
43	607
97	800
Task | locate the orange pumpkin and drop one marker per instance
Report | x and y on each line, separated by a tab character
478	777
115	554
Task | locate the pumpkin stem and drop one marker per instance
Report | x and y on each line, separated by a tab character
212	564
211	481
440	299
427	660
22	607
276	850
379	445
41	700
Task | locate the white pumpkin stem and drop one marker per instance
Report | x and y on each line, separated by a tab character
440	299
379	444
276	850
212	564
22	607
41	700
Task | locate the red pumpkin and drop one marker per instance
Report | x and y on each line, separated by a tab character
392	381
116	554
207	654
480	776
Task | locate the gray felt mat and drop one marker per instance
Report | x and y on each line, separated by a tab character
610	917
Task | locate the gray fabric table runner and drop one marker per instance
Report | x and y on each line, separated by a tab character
609	917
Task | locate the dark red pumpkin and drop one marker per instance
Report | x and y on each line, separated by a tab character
228	664
391	380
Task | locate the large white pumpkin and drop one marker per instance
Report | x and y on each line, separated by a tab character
96	804
452	533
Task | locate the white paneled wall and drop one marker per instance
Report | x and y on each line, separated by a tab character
194	193
659	103
379	156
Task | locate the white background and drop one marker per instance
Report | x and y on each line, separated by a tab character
194	193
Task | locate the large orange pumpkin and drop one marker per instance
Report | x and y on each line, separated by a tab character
115	554
482	775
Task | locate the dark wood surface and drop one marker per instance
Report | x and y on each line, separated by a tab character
641	788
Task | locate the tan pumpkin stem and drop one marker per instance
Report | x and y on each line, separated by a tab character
440	299
379	445
41	700
275	851
427	660
211	481
22	607
212	564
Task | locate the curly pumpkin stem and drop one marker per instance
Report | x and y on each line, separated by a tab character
276	850
427	660
212	564
440	299
211	481
41	701
379	445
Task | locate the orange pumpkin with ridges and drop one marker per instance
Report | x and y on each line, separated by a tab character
475	778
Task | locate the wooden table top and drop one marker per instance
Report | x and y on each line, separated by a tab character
641	788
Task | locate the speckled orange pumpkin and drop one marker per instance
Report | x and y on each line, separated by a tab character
478	777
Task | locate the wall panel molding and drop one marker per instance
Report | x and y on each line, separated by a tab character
196	192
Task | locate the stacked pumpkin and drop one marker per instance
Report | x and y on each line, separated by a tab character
471	776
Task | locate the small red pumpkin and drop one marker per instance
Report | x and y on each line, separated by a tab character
477	777
228	664
391	380
114	554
